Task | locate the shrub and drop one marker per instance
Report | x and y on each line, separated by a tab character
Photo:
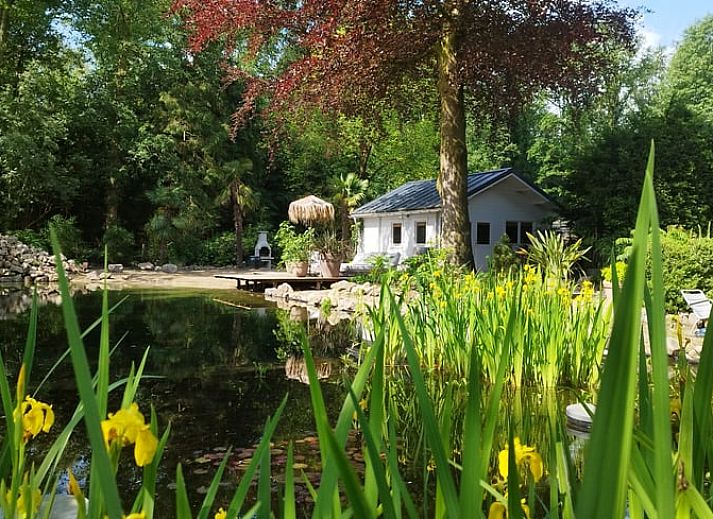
186	249
553	255
620	272
119	243
504	258
219	250
31	237
68	235
687	263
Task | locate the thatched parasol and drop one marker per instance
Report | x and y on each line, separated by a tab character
311	210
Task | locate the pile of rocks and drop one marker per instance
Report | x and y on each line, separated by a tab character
20	263
343	296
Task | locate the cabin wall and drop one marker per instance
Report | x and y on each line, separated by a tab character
377	233
508	201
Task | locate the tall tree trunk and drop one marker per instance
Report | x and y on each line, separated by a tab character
452	180
237	221
4	24
346	222
365	148
112	202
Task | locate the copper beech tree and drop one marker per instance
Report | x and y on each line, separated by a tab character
347	56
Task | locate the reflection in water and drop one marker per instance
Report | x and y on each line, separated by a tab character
219	376
296	369
15	299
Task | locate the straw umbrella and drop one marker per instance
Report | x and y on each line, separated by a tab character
311	210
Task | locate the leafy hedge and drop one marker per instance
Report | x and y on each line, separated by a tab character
687	264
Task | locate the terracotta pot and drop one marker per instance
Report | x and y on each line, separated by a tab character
329	267
298	268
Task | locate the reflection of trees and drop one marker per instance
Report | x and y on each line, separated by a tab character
193	332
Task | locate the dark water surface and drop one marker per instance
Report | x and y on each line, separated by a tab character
222	368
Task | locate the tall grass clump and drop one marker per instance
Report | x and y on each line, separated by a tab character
560	328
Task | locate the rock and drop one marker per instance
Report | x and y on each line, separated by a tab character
146	265
115	268
105	275
283	290
346	304
343	285
314	297
169	268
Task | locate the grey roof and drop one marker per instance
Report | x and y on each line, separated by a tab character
422	194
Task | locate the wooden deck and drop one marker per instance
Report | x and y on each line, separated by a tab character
259	281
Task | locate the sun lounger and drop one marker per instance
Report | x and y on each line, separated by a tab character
700	306
363	263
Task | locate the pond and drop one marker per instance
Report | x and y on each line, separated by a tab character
224	359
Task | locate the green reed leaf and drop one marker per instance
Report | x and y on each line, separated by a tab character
241	492
92	418
604	486
183	507
213	487
445	478
372	444
346	471
663	473
290	511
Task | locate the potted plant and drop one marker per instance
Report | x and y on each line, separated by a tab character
295	247
332	251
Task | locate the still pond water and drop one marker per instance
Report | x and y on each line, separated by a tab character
224	361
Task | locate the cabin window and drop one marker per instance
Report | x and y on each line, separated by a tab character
511	230
517	232
525	227
396	234
482	233
421	233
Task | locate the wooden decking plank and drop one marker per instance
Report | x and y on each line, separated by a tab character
259	281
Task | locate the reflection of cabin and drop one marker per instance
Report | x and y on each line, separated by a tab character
408	219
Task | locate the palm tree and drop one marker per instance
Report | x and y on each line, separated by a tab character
240	196
350	191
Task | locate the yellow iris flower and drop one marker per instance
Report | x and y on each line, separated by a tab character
25	494
523	454
36	416
499	511
127	427
221	514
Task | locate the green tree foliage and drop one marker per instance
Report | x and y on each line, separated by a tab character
690	75
38	165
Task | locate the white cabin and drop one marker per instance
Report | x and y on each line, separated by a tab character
408	219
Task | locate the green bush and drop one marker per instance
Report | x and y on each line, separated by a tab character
219	250
33	238
68	235
120	244
687	264
505	259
